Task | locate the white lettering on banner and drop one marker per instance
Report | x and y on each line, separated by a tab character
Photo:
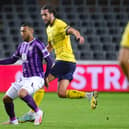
95	71
125	84
87	77
80	78
111	76
101	77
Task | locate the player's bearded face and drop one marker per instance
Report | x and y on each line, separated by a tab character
26	38
25	33
46	16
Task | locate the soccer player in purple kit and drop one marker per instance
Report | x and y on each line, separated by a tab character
32	51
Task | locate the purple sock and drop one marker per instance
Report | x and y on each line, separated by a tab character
29	100
9	107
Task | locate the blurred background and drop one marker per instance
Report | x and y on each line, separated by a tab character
101	22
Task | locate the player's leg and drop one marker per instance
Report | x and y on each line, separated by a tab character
63	92
30	86
124	61
29	116
38	96
64	72
9	107
8	98
65	76
23	94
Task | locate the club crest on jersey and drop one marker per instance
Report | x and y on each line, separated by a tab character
24	57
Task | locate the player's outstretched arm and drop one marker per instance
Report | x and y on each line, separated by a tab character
7	61
77	34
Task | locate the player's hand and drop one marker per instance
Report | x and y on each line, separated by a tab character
46	83
80	39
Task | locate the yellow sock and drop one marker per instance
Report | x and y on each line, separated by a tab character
75	94
38	96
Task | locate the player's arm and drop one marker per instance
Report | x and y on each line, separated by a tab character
49	47
76	33
47	58
10	60
49	63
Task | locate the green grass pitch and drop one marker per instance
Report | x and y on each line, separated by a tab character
112	113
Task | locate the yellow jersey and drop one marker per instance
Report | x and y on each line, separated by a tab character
125	37
60	41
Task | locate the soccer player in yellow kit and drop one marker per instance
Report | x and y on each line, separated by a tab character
58	33
124	52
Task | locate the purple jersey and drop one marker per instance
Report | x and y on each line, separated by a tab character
32	53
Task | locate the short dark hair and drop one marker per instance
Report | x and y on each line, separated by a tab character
26	24
50	8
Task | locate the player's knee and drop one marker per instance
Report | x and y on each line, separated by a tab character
7	99
4	99
22	93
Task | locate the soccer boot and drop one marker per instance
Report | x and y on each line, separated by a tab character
28	117
38	117
94	100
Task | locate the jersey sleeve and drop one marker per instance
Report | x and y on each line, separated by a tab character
63	26
43	49
125	37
